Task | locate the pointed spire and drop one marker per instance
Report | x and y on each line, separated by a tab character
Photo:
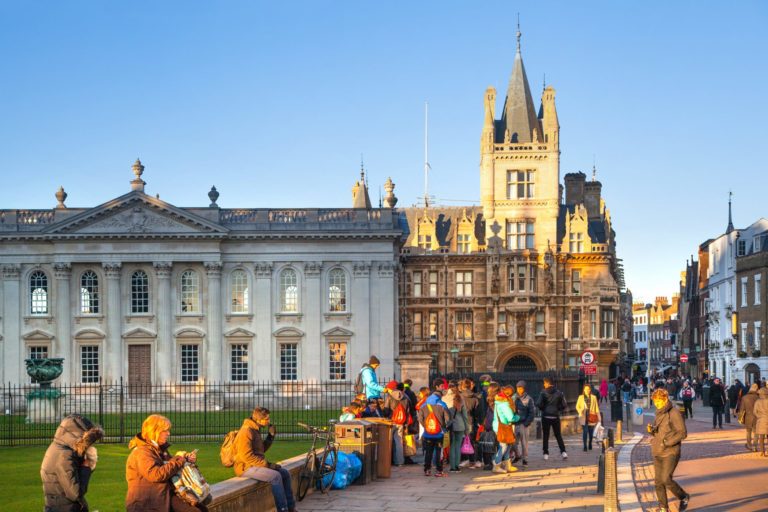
519	34
519	122
360	197
730	227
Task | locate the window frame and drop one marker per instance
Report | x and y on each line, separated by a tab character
418	283
540	323
523	234
434	288
134	294
576	281
95	377
193	277
744	300
343	365
243	294
342	306
44	286
433	325
93	289
464	325
284	288
758	289
522	183
293	365
418	325
242	365
463	281
575	324
184	367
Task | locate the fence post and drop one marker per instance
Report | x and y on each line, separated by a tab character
10	418
611	501
101	404
122	411
205	408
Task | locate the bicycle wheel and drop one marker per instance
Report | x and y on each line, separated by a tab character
328	468
306	475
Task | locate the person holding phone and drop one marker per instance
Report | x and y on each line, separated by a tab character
251	461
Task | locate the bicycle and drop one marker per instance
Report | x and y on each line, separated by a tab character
315	469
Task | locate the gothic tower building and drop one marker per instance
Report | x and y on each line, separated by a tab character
529	279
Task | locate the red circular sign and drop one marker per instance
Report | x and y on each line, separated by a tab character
683	358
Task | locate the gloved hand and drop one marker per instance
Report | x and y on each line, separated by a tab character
272	430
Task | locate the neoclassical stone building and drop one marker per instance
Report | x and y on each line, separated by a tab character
527	280
140	289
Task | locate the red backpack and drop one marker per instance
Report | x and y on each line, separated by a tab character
432	424
399	415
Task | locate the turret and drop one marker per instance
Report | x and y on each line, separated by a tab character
549	122
486	152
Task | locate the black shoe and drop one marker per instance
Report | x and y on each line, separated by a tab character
454	470
585	448
525	462
684	503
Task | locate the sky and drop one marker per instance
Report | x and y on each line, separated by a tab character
274	103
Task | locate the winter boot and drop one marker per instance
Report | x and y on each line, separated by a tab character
497	468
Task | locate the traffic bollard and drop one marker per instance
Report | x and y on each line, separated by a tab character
618	432
601	474
610	438
611	501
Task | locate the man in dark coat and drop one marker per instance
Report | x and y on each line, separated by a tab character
668	431
735	392
64	471
717	403
552	404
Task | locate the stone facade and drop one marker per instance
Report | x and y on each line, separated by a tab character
752	310
527	280
140	289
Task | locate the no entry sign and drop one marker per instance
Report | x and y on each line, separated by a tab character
683	358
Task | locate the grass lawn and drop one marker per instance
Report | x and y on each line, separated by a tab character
21	490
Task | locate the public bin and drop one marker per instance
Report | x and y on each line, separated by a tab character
616	411
383	447
637	411
705	395
358	437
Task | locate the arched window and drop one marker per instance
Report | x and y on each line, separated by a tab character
239	283
139	292
190	292
289	291
337	290
89	293
38	291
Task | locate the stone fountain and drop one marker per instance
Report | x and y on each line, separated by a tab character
43	404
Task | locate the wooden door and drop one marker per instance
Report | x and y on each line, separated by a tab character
139	369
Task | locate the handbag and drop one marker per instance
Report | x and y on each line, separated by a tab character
488	442
742	416
592	417
505	434
409	445
190	485
466	446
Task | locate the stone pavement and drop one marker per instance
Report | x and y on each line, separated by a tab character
553	485
715	468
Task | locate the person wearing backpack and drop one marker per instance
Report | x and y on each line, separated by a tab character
460	426
396	408
367	383
434	419
552	404
472	404
251	461
687	395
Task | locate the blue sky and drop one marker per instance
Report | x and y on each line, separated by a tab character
273	102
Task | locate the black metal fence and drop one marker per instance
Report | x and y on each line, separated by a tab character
198	411
566	381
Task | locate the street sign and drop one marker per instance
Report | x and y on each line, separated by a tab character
683	358
587	358
589	369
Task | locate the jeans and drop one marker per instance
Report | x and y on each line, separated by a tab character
587	431
626	395
433	447
454	455
717	415
398	458
502	453
521	440
280	480
554	424
664	468
688	405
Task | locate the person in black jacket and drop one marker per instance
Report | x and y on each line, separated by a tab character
668	431
551	403
717	403
527	412
65	471
735	391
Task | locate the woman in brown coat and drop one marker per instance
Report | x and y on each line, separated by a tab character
761	414
149	470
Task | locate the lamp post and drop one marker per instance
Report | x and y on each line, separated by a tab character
455	356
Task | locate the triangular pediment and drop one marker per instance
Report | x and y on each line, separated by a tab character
338	331
37	335
90	333
288	332
239	332
135	214
140	333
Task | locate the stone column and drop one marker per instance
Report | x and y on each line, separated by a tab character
416	368
165	345
12	344
361	314
215	349
261	303
113	346
62	346
313	343
384	316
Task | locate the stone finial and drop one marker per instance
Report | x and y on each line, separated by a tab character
61	196
138	170
213	195
390	200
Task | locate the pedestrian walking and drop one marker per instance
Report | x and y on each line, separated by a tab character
626	391
761	416
668	431
589	415
434	418
604	391
396	408
746	415
552	404
150	467
68	463
504	419
526	410
717	400
687	395
251	460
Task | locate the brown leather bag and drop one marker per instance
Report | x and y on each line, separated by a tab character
506	433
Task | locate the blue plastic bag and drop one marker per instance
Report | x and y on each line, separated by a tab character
355	467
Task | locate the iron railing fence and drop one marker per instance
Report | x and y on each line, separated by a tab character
203	411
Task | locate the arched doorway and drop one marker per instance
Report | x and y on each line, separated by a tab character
520	363
751	374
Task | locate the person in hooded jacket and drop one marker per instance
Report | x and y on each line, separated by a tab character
761	418
717	400
526	410
668	431
394	398
472	404
66	469
504	412
150	467
460	426
747	405
551	403
433	443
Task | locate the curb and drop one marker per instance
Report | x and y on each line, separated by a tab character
628	500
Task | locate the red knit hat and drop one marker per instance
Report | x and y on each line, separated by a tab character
392	385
